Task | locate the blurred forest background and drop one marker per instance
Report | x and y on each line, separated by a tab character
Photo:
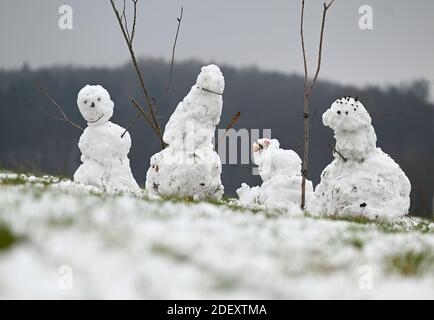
402	115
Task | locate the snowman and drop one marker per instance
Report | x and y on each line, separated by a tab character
362	180
280	171
189	167
103	144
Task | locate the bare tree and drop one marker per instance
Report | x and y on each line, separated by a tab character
149	116
307	91
128	34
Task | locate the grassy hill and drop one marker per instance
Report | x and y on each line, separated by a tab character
62	240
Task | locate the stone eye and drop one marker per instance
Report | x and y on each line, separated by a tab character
346	112
85	101
355	109
339	112
99	99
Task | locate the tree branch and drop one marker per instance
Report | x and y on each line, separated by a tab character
168	87
59	108
129	41
321	38
148	119
173	50
337	152
302	45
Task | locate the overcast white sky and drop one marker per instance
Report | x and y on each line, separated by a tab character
239	32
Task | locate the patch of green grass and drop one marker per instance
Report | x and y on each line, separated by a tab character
383	225
170	252
357	242
7	238
19	180
411	263
64	222
225	202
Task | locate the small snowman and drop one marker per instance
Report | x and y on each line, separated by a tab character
189	166
362	180
103	144
280	171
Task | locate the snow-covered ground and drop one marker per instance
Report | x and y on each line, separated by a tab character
60	240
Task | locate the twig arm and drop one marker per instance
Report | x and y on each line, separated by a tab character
59	108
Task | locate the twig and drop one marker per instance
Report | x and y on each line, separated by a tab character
412	219
131	124
308	87
302	45
133	30
321	38
168	87
148	120
59	108
143	113
229	126
173	50
337	152
46	113
122	21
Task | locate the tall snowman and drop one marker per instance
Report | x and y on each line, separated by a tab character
103	144
362	180
189	166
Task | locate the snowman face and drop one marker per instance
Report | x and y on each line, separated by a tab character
346	114
261	145
264	144
95	104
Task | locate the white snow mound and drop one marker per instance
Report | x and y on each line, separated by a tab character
69	242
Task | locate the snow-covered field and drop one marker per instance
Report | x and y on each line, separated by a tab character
60	240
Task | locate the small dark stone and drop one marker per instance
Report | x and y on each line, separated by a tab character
362	205
339	112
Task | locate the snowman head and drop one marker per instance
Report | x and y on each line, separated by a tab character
346	114
211	79
95	104
262	145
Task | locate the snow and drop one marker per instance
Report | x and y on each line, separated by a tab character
362	180
280	171
127	246
189	166
103	144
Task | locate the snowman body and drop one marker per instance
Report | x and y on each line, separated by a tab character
280	171
104	145
362	180
189	166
